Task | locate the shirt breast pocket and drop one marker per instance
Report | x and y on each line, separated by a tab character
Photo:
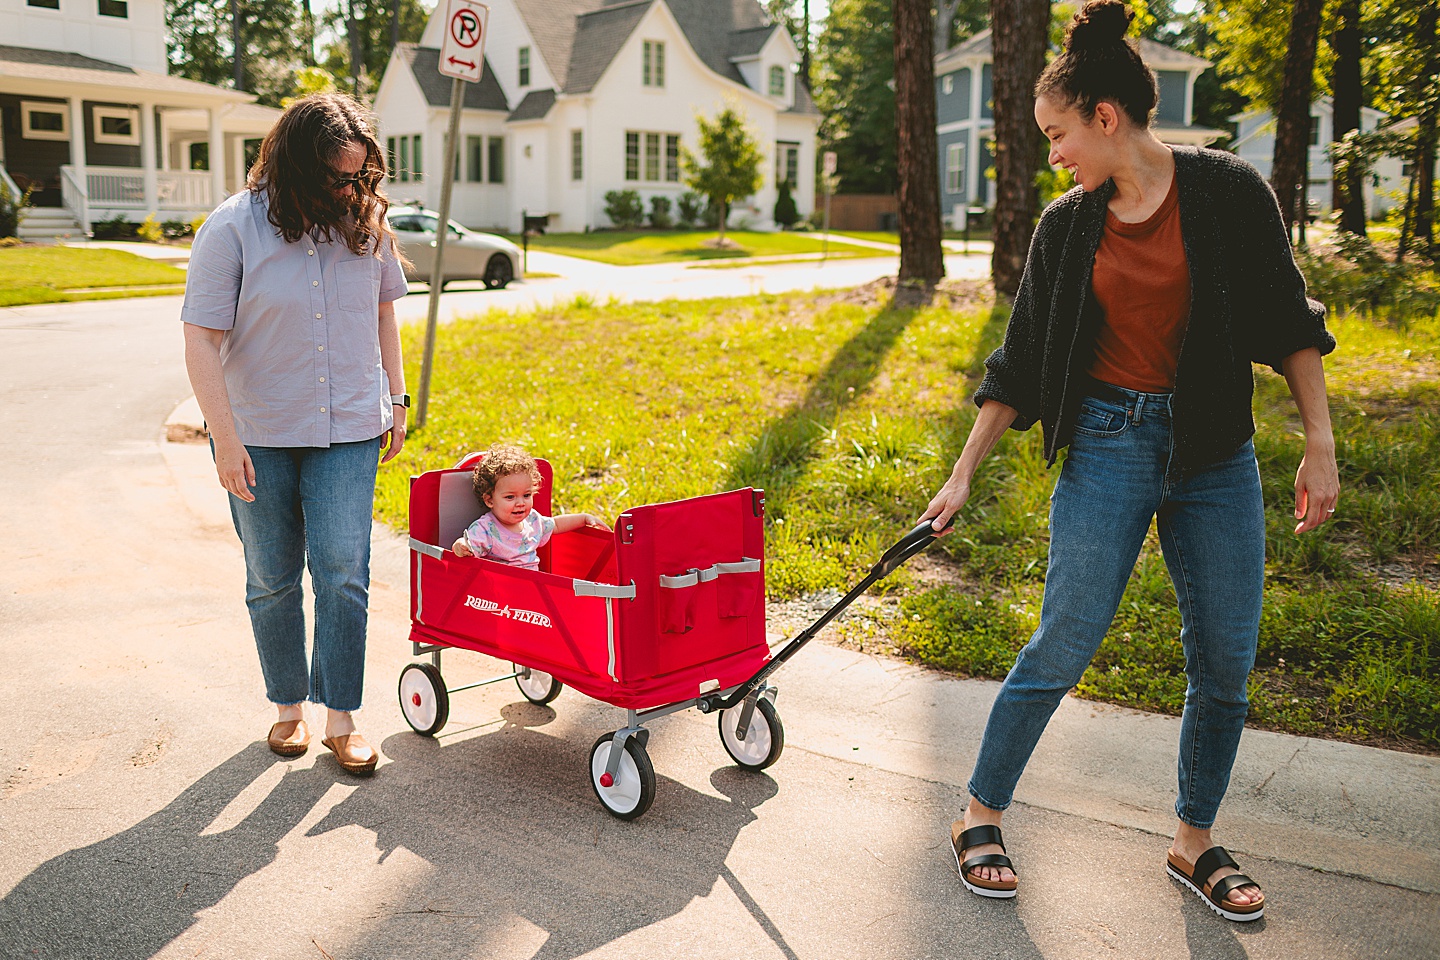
357	285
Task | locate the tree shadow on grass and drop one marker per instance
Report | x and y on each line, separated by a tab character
778	456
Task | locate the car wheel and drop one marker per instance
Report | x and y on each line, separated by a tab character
498	272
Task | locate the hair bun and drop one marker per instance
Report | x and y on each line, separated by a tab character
1100	23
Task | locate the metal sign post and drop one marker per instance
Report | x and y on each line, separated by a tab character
829	164
462	57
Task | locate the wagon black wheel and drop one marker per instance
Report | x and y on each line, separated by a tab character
763	741
538	686
632	789
423	698
498	272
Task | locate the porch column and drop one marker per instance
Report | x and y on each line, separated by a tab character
217	157
77	161
147	160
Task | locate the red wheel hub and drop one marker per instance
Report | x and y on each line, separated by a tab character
415	699
606	780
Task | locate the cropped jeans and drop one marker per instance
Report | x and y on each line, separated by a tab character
312	505
1116	477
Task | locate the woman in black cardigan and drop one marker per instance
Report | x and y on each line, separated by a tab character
1149	291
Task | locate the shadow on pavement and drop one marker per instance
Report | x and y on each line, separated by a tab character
127	896
513	831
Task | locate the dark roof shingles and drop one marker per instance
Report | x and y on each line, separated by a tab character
424	63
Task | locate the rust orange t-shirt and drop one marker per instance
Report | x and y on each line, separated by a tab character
1142	283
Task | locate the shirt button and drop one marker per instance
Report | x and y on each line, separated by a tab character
322	379
322	409
311	252
314	283
317	316
321	347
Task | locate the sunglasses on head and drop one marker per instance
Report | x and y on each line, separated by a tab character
340	183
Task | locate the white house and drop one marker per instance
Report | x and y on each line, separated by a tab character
965	124
580	97
1255	141
91	121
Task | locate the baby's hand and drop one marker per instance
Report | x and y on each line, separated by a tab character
462	549
593	521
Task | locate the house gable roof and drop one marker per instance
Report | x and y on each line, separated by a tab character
579	39
424	63
535	106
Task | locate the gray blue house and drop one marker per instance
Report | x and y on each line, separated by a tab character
965	124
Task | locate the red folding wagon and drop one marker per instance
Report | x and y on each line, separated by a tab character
665	613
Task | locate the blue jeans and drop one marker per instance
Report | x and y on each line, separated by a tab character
1211	521
311	504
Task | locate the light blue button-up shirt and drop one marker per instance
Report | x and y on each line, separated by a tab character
301	352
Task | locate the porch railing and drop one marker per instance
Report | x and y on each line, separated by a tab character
122	190
74	198
15	191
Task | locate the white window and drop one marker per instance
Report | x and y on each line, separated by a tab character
474	159
577	155
777	81
652	71
655	147
955	168
405	158
787	162
44	121
114	8
524	66
116	125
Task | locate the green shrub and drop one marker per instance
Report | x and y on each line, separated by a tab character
1359	276
116	228
624	209
150	230
786	213
10	207
660	213
689	208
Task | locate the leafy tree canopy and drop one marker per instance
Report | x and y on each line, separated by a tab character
728	167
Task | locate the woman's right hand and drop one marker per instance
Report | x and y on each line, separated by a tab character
946	503
236	471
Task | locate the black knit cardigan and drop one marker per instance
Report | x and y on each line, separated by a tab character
1247	305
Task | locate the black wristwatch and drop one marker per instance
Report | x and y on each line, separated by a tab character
400	400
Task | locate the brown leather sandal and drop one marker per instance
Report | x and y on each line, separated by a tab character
289	738
1213	895
353	753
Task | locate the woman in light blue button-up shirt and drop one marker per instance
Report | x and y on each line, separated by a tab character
294	356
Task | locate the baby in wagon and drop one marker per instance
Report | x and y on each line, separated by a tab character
512	532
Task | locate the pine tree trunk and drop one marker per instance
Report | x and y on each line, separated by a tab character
237	42
1348	193
1020	32
921	256
1292	128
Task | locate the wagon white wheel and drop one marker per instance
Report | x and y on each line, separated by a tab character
539	686
763	741
423	698
632	789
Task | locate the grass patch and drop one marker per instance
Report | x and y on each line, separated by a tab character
60	274
633	247
849	416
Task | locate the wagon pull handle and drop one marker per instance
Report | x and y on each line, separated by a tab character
912	543
906	547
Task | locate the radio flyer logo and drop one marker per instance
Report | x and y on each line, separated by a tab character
507	611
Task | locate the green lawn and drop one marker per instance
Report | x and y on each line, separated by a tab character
628	248
59	274
850	416
893	236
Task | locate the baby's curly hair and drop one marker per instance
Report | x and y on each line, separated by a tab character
501	460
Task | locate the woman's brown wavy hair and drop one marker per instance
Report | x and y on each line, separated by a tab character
296	169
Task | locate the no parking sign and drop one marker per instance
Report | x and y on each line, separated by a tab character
462	55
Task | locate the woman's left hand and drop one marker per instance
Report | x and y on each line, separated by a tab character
1317	487
396	437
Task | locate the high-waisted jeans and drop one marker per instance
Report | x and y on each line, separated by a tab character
1211	522
312	504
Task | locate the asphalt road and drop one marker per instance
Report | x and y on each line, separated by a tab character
142	816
